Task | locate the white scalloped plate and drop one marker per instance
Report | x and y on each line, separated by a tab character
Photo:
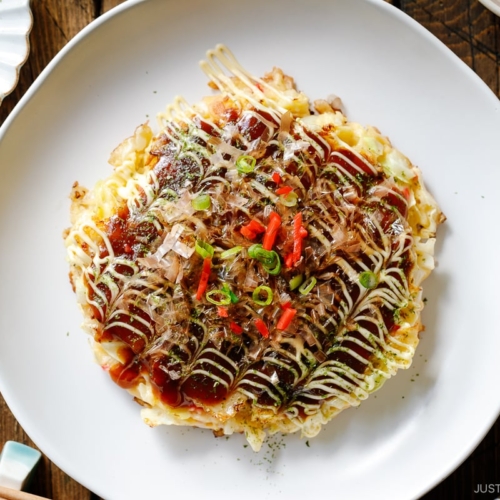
15	26
390	72
493	5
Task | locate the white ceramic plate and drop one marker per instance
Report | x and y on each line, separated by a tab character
124	68
15	26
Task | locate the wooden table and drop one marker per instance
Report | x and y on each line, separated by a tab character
465	26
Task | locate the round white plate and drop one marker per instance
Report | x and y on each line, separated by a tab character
119	72
15	26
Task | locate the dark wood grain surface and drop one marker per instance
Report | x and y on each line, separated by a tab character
465	26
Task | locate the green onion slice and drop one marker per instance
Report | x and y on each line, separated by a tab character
204	249
296	281
308	285
256	295
202	202
265	256
222	295
245	164
289	200
277	267
368	279
234	298
269	259
232	252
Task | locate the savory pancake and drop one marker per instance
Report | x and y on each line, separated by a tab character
256	266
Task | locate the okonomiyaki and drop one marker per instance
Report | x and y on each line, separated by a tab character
256	265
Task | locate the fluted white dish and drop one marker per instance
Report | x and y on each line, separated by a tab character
15	26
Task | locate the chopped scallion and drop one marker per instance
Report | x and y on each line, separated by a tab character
308	285
289	200
205	250
245	164
296	281
368	279
232	252
234	298
256	295
222	295
270	260
274	268
202	202
257	252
